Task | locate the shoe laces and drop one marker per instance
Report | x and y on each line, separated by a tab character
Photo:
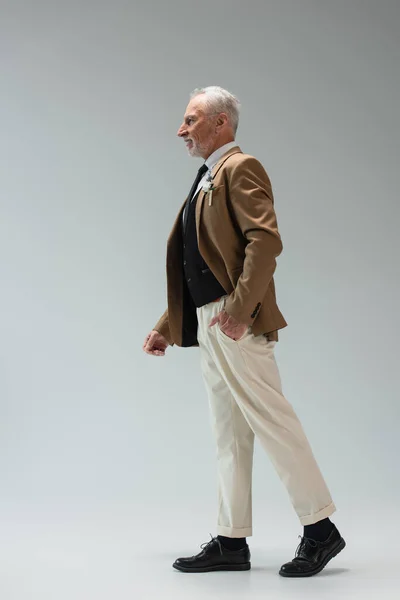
206	545
304	542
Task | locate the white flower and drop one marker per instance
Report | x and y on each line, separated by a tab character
208	185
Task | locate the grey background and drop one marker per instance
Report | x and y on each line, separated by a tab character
101	446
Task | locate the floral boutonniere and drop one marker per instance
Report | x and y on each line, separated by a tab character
208	187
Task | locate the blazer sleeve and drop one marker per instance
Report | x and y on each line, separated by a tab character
162	326
252	204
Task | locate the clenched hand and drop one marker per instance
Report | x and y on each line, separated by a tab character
155	344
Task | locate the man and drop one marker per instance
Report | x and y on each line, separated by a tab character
221	256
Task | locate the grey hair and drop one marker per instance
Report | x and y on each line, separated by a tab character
219	100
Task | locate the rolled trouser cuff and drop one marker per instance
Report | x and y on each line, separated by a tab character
321	514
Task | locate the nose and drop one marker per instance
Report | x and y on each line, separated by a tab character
181	131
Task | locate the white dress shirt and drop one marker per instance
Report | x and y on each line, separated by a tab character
210	163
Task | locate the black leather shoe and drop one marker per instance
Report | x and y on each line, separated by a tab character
312	556
214	557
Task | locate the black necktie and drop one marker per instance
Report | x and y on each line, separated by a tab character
203	169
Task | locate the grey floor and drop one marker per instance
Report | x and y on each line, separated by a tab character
113	556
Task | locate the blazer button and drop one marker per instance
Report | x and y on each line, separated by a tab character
184	262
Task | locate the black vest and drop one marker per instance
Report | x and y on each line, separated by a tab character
200	285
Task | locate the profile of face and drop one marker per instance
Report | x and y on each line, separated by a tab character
199	129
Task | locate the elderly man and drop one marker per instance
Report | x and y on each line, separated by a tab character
221	257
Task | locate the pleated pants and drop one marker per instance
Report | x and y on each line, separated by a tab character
246	400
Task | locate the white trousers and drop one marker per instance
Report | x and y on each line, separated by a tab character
245	397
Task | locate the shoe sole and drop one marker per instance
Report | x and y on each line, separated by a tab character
334	553
240	567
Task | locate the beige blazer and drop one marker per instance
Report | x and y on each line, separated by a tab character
239	240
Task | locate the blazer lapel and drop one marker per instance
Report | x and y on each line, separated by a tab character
214	171
224	157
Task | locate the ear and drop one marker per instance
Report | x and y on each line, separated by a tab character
221	120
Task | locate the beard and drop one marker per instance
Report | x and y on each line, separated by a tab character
199	149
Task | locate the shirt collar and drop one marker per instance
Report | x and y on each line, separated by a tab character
218	153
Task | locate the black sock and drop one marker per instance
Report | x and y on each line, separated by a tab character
319	531
232	543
